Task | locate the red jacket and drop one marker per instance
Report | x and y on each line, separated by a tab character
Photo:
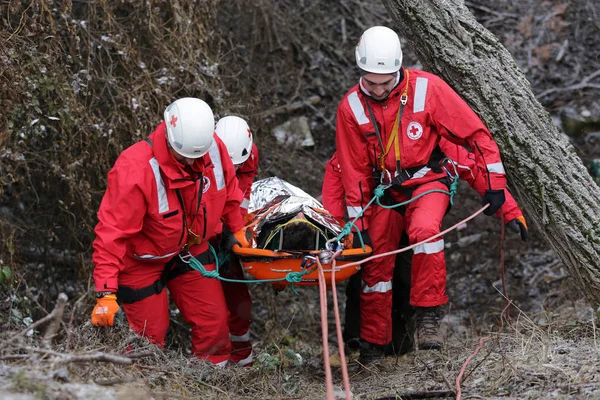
245	174
141	218
333	198
333	189
433	111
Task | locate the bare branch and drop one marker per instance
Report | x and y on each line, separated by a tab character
39	322
57	315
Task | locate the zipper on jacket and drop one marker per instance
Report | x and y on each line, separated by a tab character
183	216
204	213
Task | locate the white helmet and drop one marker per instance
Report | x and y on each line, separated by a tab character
236	135
378	51
190	126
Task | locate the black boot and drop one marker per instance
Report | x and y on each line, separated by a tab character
351	332
370	352
428	332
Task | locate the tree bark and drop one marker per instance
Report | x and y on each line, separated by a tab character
544	170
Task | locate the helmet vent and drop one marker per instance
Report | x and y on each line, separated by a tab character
244	152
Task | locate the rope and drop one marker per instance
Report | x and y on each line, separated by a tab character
389	253
324	331
505	311
464	366
378	193
291	277
338	327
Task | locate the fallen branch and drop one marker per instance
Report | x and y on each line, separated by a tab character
54	325
288	108
75	358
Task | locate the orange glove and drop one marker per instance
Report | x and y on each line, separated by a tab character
519	225
105	310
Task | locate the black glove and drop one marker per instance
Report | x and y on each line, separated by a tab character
518	225
365	237
495	198
228	240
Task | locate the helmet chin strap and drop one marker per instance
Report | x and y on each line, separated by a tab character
399	77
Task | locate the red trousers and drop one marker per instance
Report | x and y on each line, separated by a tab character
239	305
422	219
200	301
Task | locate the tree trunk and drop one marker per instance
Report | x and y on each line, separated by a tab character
548	177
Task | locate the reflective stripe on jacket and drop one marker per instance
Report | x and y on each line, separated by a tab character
141	216
245	175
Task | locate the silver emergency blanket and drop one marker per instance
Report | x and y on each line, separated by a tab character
273	199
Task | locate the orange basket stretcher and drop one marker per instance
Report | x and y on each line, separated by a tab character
262	253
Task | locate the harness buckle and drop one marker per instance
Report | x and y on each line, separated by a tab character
185	255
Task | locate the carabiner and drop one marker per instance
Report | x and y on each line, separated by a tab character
385	173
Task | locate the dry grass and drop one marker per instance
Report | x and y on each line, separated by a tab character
107	70
524	360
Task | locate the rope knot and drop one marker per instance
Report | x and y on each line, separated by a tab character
379	191
294	277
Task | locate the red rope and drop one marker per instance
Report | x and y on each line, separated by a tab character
324	330
338	327
464	366
502	274
389	253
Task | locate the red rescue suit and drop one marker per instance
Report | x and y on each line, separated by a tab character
144	222
332	193
237	296
432	111
245	174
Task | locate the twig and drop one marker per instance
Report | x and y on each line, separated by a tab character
140	355
584	84
291	107
54	325
490	11
421	395
430	371
14	357
37	323
97	356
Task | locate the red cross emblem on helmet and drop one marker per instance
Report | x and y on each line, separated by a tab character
173	121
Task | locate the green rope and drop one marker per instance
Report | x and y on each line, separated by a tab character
291	277
379	192
451	192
